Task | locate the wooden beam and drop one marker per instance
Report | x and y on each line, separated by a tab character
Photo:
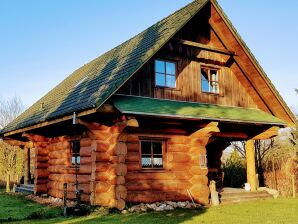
235	135
14	142
205	47
209	128
269	133
47	123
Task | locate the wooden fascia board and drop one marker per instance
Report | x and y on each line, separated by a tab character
255	63
46	123
225	43
205	47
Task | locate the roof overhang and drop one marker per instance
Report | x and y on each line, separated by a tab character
144	106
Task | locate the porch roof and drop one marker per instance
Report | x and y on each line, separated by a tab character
191	110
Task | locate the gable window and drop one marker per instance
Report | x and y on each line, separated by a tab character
210	80
165	73
75	153
152	154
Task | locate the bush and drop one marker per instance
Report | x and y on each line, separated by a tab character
235	171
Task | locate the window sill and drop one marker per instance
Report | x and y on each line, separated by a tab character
214	94
167	88
152	170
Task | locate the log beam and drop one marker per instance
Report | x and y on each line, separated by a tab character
250	164
206	131
269	133
205	47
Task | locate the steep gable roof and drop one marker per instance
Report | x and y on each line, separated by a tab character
91	85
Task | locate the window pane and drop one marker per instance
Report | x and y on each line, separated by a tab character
170	68
205	86
146	147
76	147
171	81
214	87
146	161
214	75
157	147
204	74
160	66
157	161
160	79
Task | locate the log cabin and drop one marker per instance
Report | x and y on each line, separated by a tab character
148	120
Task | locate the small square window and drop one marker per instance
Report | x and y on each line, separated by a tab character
203	161
209	80
165	73
152	154
75	153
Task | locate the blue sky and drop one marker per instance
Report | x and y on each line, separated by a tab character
42	42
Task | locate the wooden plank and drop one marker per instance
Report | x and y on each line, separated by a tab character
205	47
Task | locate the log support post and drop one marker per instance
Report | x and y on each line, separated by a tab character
40	144
197	143
26	164
250	165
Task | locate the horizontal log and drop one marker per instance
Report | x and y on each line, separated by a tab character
105	176
86	160
132	176
70	195
100	135
178	140
41	165
41	151
121	169
133	166
59	154
199	179
40	188
42	158
178	157
55	185
65	145
85	151
169	185
61	169
70	178
196	170
103	187
200	193
133	147
198	150
40	173
42	180
132	138
173	166
61	161
85	142
156	196
103	146
178	148
133	157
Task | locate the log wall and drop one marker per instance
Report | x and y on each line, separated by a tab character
181	172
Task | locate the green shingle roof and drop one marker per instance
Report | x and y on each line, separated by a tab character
179	109
91	85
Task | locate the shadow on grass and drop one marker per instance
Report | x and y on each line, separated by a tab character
173	217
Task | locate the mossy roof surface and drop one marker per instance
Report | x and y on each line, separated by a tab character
191	110
91	85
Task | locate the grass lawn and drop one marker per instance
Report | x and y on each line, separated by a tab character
16	207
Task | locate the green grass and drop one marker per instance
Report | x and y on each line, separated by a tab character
265	211
17	207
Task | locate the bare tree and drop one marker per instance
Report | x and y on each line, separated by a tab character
9	110
11	158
